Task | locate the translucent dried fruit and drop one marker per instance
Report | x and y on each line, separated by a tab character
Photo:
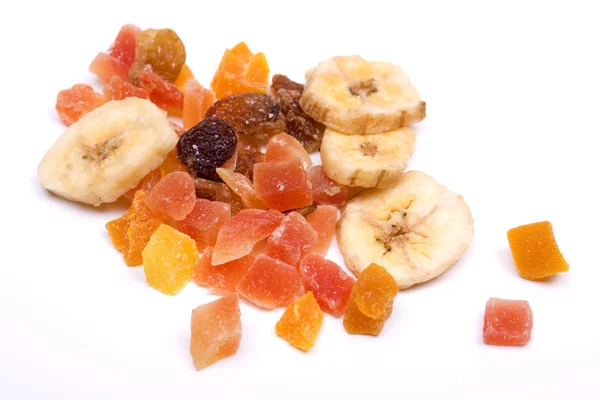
535	251
207	146
204	221
241	186
248	154
325	190
162	50
323	220
145	185
270	283
172	164
290	241
328	282
282	185
173	197
105	67
301	322
196	100
357	323
217	191
133	230
282	147
75	102
252	114
119	89
162	93
240	71
123	48
216	331
507	322
184	76
169	258
220	278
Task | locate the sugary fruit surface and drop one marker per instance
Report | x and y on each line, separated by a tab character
119	89
196	100
238	236
145	185
323	220
325	190
248	154
374	290
131	232
251	114
328	282
206	147
162	93
123	48
216	331
270	283
184	76
173	197
220	278
283	147
535	251
357	323
169	258
242	187
75	102
105	67
301	322
172	163
217	191
282	185
507	322
290	241
162	50
204	221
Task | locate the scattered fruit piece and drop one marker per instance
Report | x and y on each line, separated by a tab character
357	323
173	197
216	331
325	190
162	93
248	154
160	49
105	67
290	241
535	251
301	322
282	185
145	185
217	191
507	322
172	163
241	186
220	278
75	102
118	89
123	48
323	220
184	76
204	221
169	258
283	147
196	101
269	283
240	71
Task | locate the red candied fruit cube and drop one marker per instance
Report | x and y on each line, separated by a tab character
507	322
123	48
75	102
105	67
270	283
238	236
289	242
323	220
328	282
118	89
173	197
282	185
220	278
196	101
204	221
283	147
325	190
162	93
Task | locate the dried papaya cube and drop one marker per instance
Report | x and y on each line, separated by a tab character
184	76
240	71
325	190
169	258
173	197
241	186
257	71
323	220
507	322
238	236
290	241
123	48
145	185
204	221
232	65
270	283
196	101
220	278
328	282
535	251
75	102
374	290
105	67
357	323
283	147
162	93
119	89
242	51
216	331
282	185
301	322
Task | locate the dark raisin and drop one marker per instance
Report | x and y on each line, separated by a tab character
248	154
206	147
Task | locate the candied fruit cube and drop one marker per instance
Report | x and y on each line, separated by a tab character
507	322
162	93
204	221
75	102
216	331
220	278
119	89
173	197
535	251
323	220
301	322
184	76
241	71
169	258
238	236
289	242
241	186
282	185
123	48
196	101
283	147
270	283
242	51
145	185
105	67
328	282
357	323
325	190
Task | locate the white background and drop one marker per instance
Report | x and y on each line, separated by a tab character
512	95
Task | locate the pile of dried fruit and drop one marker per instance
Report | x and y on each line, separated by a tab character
208	205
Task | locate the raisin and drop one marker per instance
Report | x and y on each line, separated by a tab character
252	114
162	49
283	82
206	147
248	154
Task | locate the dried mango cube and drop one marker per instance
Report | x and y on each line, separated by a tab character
301	322
357	323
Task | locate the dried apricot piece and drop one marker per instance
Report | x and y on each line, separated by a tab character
240	71
248	154
162	93
204	221
357	323
535	251
507	322
220	278
119	89
75	102
173	197
282	147
162	50
290	241
282	185
325	190
123	48
196	101
105	67
323	220
169	258
301	322
241	186
184	76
